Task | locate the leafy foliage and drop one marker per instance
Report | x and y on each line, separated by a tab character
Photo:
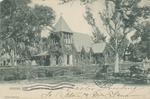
120	18
140	50
143	33
22	24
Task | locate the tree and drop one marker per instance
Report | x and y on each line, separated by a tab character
140	50
22	24
120	18
143	32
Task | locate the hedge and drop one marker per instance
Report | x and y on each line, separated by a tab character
34	72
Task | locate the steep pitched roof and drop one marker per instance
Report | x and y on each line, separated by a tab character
86	42
5	56
61	25
98	47
82	40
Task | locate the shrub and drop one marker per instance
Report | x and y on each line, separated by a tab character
77	71
49	73
8	77
32	72
40	73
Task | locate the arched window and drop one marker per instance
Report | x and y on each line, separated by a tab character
57	60
68	59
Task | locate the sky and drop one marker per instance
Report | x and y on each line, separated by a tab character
72	13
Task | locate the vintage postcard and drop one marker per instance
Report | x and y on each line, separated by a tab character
74	49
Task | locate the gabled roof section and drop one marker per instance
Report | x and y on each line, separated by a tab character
98	47
61	25
5	56
82	40
85	41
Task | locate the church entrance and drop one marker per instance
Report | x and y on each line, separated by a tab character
57	60
68	59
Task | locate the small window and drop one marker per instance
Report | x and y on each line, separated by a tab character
68	59
57	60
67	38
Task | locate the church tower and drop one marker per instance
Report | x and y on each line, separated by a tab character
62	43
63	28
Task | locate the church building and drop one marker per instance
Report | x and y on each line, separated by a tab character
68	48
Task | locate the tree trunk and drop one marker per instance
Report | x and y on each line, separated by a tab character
148	48
116	62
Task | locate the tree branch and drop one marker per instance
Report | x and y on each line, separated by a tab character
109	45
125	34
110	26
137	29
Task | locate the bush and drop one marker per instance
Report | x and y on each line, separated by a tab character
136	70
8	77
21	74
59	73
77	71
48	73
40	73
100	75
32	72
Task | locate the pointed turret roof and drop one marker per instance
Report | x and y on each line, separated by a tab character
61	25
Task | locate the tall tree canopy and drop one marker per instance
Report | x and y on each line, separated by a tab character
140	50
143	32
120	18
21	25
